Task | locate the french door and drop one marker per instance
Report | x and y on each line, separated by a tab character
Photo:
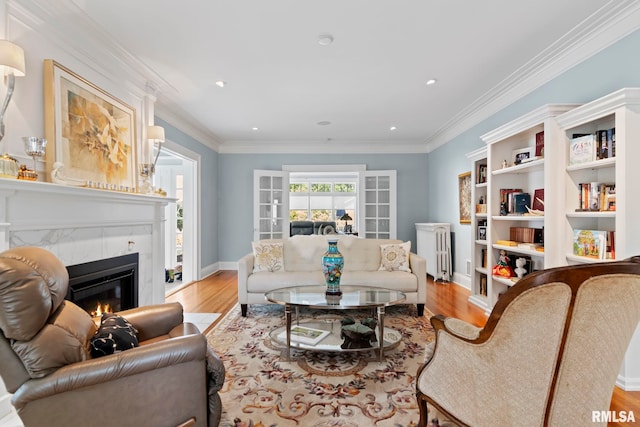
271	204
376	214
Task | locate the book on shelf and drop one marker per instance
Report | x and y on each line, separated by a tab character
540	144
526	234
582	149
596	196
606	143
483	285
593	243
506	243
304	335
520	203
508	200
538	200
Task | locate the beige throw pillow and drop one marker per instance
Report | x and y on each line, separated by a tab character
267	256
395	257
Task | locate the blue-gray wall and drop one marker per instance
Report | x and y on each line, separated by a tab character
614	68
209	187
236	191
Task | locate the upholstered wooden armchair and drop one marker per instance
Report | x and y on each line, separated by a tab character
549	354
171	379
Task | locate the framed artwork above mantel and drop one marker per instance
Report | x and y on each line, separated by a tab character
89	131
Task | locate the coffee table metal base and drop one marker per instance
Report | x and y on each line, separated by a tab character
333	341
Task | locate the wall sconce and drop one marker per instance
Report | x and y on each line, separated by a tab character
11	65
155	134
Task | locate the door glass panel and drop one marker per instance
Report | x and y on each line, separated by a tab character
384	211
370	211
265	212
370	197
384	182
265	182
265	196
383	225
370	182
383	196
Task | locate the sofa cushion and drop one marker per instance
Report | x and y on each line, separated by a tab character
361	254
268	256
304	253
264	282
395	280
395	257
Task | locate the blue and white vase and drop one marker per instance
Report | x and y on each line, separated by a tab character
332	263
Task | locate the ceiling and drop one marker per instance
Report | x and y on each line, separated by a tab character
281	81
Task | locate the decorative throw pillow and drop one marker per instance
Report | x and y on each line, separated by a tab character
395	257
268	256
114	334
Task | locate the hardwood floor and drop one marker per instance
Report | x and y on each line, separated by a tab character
219	293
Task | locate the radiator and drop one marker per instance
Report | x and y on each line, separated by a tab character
434	244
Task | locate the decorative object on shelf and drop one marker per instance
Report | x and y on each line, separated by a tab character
332	264
12	62
358	335
34	147
505	164
524	155
155	134
58	177
26	174
100	146
502	268
464	189
520	270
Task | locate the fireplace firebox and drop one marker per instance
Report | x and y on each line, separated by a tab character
109	284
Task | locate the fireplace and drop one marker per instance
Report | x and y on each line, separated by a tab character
109	284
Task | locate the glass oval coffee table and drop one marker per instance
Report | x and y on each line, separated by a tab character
326	334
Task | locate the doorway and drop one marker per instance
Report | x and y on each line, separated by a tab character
177	174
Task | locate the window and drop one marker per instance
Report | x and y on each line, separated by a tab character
324	197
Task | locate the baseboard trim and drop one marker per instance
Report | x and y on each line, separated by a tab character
229	265
209	270
462	280
628	384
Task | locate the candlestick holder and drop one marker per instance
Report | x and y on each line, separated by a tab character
34	147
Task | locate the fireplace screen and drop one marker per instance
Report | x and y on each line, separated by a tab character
106	285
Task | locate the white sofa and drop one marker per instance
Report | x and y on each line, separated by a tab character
302	265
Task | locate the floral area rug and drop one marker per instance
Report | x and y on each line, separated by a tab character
317	389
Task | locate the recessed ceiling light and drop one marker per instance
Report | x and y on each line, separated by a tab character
221	83
254	128
431	82
325	39
393	128
324	123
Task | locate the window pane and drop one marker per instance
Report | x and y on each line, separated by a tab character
320	188
320	202
345	188
298	203
321	215
298	215
298	188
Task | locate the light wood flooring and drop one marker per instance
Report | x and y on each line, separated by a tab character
219	293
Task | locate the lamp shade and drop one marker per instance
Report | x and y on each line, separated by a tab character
345	217
155	133
11	58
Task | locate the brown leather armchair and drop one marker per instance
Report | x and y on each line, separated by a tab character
171	379
549	354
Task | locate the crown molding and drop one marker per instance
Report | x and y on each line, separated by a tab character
176	118
73	31
323	147
611	23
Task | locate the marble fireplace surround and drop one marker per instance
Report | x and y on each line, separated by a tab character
82	224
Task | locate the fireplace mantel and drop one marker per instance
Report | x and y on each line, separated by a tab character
83	224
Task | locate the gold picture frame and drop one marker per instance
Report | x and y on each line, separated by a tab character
89	131
464	191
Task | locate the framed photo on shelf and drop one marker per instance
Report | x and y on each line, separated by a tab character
523	155
481	174
89	131
482	232
464	197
